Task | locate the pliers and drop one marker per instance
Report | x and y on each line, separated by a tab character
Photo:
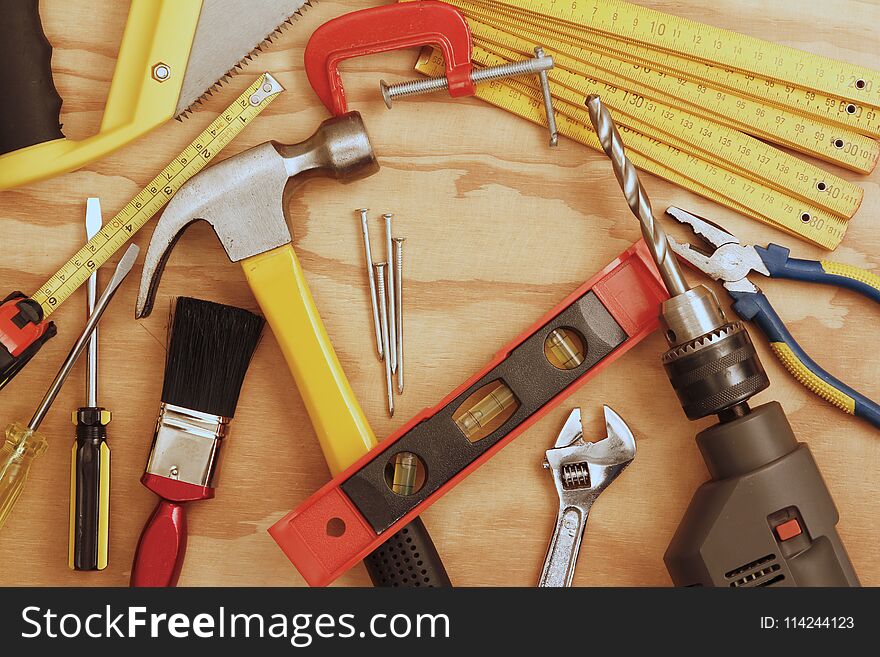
731	262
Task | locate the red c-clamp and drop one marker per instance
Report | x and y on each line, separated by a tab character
389	27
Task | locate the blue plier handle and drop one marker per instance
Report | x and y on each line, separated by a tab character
731	263
825	272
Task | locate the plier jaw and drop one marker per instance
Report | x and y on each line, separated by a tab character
729	261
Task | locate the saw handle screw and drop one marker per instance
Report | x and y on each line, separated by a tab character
161	71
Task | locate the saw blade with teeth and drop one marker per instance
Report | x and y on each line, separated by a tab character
227	36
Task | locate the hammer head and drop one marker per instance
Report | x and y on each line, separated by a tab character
245	197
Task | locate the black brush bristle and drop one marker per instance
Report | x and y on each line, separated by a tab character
208	355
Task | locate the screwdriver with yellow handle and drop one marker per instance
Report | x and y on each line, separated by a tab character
23	442
90	456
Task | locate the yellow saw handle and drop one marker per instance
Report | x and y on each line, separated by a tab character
276	280
144	92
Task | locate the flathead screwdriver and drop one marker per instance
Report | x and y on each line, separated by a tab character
24	442
90	456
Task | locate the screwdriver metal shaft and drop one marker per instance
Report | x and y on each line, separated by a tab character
636	196
89	533
93	225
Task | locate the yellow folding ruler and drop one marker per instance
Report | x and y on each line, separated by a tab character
685	114
157	193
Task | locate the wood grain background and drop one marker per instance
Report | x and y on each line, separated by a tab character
499	228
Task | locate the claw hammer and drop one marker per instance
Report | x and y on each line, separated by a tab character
245	199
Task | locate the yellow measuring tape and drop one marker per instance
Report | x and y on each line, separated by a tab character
722	145
157	193
689	125
664	160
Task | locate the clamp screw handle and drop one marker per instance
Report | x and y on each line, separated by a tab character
428	85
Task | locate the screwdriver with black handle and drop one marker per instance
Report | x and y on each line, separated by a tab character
90	455
24	442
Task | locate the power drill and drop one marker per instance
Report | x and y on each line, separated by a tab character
765	518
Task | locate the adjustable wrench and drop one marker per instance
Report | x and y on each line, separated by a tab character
581	470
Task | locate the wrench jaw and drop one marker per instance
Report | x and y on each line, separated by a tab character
583	466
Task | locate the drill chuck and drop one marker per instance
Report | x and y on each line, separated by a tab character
712	363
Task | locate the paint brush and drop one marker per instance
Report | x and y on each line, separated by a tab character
209	351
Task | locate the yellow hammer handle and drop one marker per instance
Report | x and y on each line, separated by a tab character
276	280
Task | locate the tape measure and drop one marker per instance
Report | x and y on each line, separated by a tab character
712	45
157	193
683	115
717	143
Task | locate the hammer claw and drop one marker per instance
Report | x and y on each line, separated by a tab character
154	264
244	198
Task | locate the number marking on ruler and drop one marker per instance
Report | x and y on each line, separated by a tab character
704	178
157	193
725	147
801	131
713	45
864	119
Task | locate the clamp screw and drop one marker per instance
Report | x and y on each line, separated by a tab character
548	101
161	71
424	86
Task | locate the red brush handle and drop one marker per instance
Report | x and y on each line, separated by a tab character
161	548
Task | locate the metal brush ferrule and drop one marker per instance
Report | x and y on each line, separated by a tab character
186	445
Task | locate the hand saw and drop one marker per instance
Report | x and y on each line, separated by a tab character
173	53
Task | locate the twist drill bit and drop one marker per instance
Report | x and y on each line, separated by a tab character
636	196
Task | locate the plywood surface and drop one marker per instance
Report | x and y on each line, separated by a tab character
499	229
